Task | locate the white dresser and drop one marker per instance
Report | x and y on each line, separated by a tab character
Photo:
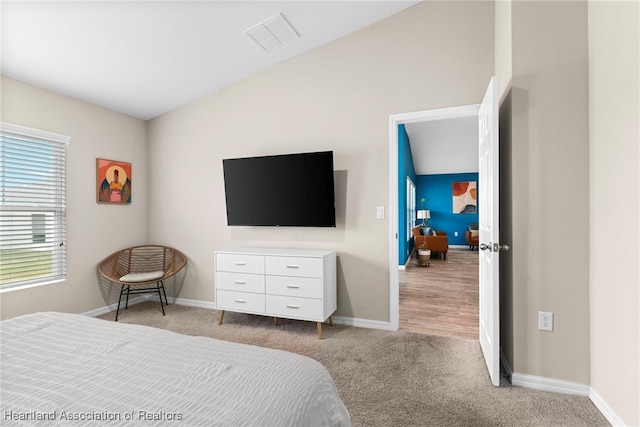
289	283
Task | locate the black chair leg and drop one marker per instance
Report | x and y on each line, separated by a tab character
164	291
119	301
128	290
160	295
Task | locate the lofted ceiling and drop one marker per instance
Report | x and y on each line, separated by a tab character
146	58
444	146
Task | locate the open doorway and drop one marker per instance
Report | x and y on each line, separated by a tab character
396	233
489	217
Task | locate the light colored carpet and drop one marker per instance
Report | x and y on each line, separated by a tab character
388	378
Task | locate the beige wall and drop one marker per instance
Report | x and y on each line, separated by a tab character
614	89
550	188
337	97
93	231
503	60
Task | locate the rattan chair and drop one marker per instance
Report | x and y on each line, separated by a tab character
142	269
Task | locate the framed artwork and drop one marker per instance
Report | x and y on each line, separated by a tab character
464	197
113	181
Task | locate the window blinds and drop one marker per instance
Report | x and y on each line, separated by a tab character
33	169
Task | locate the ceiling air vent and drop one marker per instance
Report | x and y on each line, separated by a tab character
272	33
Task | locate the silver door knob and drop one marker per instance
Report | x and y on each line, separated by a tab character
494	247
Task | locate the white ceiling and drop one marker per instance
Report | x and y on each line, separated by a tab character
444	146
145	58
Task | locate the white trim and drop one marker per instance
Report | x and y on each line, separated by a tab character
109	308
394	121
35	133
549	384
362	323
195	303
394	277
605	409
340	320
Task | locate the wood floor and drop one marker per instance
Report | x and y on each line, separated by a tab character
441	299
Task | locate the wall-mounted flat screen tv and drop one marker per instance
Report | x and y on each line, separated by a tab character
294	190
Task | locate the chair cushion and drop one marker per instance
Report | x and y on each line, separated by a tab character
142	277
475	233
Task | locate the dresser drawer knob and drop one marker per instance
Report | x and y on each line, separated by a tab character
239	282
293	266
240	300
293	286
240	263
292	306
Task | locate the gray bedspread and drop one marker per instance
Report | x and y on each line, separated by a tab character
69	369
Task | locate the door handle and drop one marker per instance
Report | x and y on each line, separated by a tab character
495	247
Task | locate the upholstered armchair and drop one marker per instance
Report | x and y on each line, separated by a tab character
472	236
437	243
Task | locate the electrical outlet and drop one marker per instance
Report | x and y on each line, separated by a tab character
455	234
545	321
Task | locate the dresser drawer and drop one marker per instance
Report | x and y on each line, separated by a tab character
308	287
294	308
240	263
240	301
240	282
294	266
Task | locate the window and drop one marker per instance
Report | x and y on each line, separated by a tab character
411	207
33	168
39	227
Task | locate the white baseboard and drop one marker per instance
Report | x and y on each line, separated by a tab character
362	323
549	384
196	303
108	308
606	410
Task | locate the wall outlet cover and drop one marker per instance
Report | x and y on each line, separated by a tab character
545	321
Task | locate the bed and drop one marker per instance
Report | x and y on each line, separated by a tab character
77	370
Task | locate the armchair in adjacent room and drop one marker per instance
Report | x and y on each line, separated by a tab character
472	236
436	243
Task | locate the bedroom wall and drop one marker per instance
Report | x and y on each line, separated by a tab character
550	189
337	97
614	134
93	231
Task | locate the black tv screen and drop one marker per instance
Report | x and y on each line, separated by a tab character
294	190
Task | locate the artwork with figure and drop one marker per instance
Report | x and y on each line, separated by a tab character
114	181
464	197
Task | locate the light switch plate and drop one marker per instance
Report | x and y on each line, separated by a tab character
380	212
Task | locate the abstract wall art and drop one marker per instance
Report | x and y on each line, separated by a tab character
464	197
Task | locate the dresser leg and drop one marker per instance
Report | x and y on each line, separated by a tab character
275	321
221	316
330	320
319	330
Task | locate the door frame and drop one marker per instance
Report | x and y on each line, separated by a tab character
394	121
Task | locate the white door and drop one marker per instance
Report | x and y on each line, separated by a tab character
489	235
